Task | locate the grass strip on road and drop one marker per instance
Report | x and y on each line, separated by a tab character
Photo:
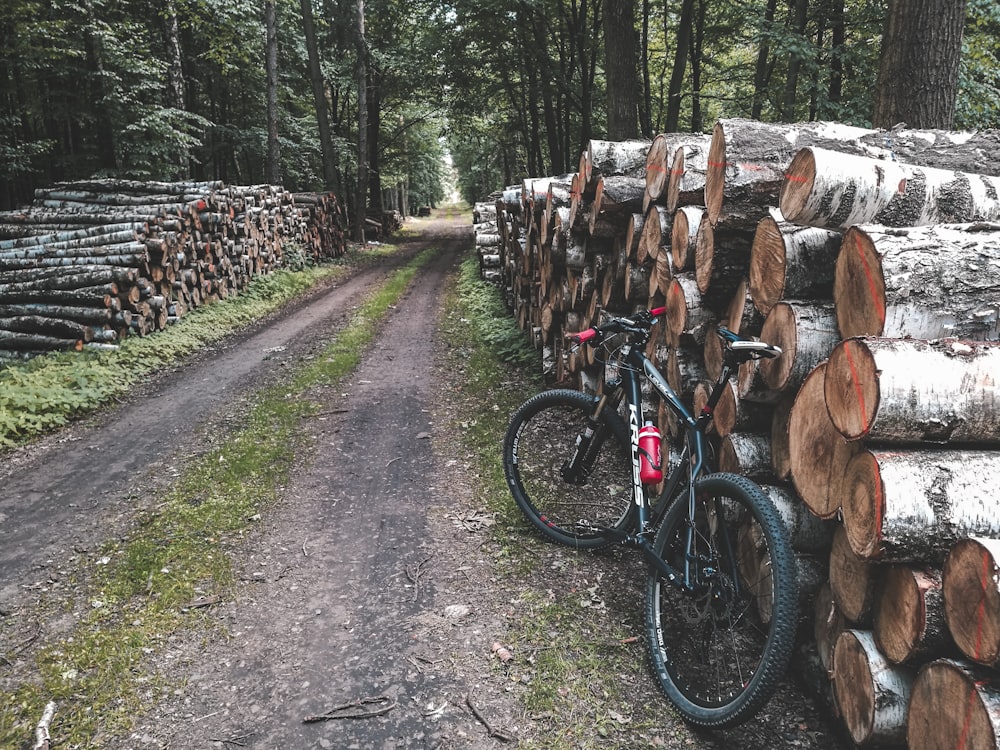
145	588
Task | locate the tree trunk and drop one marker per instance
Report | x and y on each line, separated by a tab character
918	68
835	190
621	70
921	282
909	623
971	588
954	705
818	454
909	391
872	694
790	261
330	177
361	186
806	333
911	506
273	174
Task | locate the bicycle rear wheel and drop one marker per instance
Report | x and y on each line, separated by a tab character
571	509
719	654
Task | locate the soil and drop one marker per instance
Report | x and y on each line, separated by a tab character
370	589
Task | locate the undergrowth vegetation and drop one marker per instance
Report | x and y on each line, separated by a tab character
144	588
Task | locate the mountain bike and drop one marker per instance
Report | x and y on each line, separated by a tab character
721	594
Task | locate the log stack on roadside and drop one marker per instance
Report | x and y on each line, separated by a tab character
877	275
89	263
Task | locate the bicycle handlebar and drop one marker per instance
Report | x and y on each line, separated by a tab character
641	322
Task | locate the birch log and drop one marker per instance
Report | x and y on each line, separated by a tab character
909	622
834	190
807	532
954	705
818	455
828	624
747	161
912	505
910	391
806	333
790	261
686	317
852	580
683	237
746	453
733	413
655	237
872	694
606	158
927	283
686	186
970	582
660	159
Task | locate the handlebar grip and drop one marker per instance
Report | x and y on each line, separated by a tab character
658	311
584	336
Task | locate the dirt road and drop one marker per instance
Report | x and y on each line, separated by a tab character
360	592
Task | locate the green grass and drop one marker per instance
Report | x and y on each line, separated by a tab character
178	555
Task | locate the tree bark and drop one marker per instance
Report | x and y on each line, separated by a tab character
918	67
911	506
921	282
835	190
747	161
686	186
621	70
903	391
271	66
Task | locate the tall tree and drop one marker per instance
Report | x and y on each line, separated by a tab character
330	177
361	188
273	174
682	41
918	68
621	69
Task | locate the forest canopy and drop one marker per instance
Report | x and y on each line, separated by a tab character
508	88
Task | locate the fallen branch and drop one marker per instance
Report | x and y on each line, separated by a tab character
482	720
42	730
345	711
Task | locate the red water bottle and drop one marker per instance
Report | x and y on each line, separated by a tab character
649	454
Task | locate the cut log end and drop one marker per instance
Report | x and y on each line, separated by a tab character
779	329
953	706
715	175
863	505
972	598
767	265
851	388
797	185
900	618
859	287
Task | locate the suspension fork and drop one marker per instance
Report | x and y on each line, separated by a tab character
578	466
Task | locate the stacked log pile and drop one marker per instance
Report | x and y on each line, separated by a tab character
91	262
879	277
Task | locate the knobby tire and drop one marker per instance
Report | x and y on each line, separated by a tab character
719	655
540	439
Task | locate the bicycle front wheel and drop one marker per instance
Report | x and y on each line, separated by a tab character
575	508
720	651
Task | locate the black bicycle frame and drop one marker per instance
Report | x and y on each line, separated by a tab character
692	462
